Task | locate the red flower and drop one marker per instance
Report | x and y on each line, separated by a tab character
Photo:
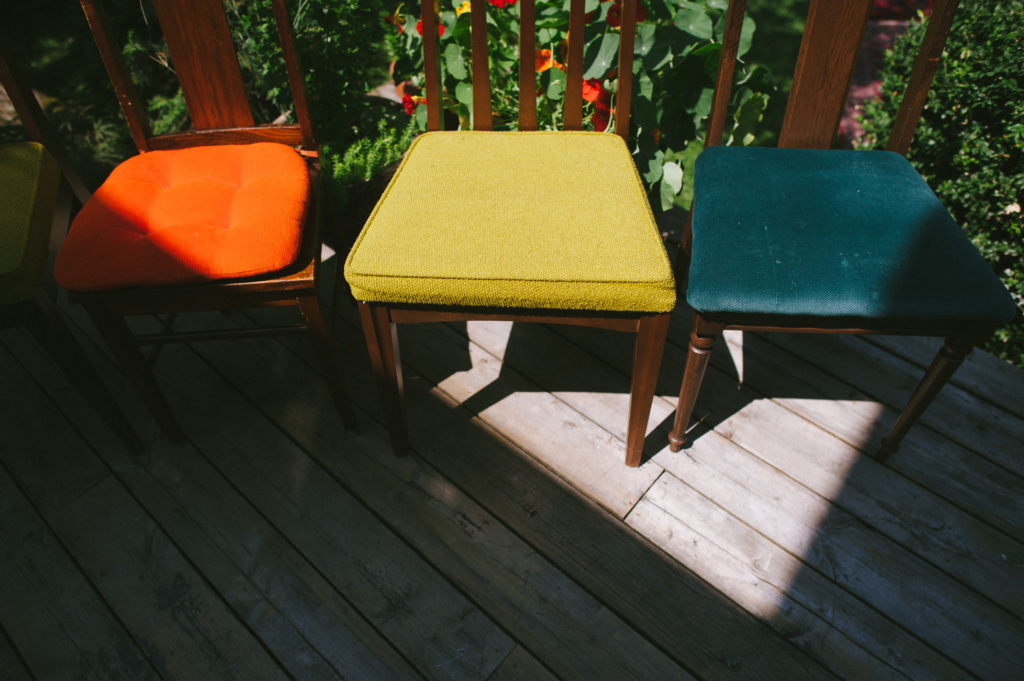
440	28
409	103
602	111
614	16
591	89
500	4
602	100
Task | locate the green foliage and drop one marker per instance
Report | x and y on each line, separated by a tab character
969	144
341	45
675	62
369	155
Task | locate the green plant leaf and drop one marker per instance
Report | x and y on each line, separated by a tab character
454	62
464	94
694	20
746	36
556	87
671	183
600	55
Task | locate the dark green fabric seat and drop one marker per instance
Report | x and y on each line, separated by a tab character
828	233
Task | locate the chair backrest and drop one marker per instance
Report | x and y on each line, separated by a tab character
828	53
203	56
32	118
573	112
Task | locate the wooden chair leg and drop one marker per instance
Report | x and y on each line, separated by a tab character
949	357
117	335
650	344
309	306
382	344
51	332
702	340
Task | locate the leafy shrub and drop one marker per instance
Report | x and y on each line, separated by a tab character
367	156
969	144
676	59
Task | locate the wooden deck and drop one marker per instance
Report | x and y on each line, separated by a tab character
514	544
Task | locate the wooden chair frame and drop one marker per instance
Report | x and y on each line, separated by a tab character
811	120
200	47
379	320
41	315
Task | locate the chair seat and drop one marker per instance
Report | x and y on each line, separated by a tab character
553	220
831	234
189	215
29	180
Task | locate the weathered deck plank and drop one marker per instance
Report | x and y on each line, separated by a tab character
773	548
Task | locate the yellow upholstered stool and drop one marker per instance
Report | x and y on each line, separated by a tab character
548	220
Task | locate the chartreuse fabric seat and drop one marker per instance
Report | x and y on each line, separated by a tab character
550	220
825	233
29	180
189	215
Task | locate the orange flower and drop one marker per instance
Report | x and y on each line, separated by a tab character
545	61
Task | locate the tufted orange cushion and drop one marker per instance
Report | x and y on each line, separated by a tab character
189	215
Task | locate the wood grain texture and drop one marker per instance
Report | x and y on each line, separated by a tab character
925	64
431	65
828	53
110	52
551	615
624	94
263	578
986	377
294	69
572	117
726	68
199	42
527	65
58	626
480	66
834	544
520	665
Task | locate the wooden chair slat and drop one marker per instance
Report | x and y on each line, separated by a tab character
828	54
431	65
127	97
726	70
527	66
624	96
573	116
294	69
481	73
203	55
292	135
921	75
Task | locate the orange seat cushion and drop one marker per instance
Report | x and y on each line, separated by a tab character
189	215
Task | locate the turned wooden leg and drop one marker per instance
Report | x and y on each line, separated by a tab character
702	340
650	344
50	330
949	357
309	306
118	337
382	344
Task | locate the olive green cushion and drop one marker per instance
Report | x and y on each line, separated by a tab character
29	180
832	234
555	220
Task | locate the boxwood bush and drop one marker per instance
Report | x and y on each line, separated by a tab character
969	144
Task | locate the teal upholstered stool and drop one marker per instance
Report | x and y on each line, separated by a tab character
832	234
